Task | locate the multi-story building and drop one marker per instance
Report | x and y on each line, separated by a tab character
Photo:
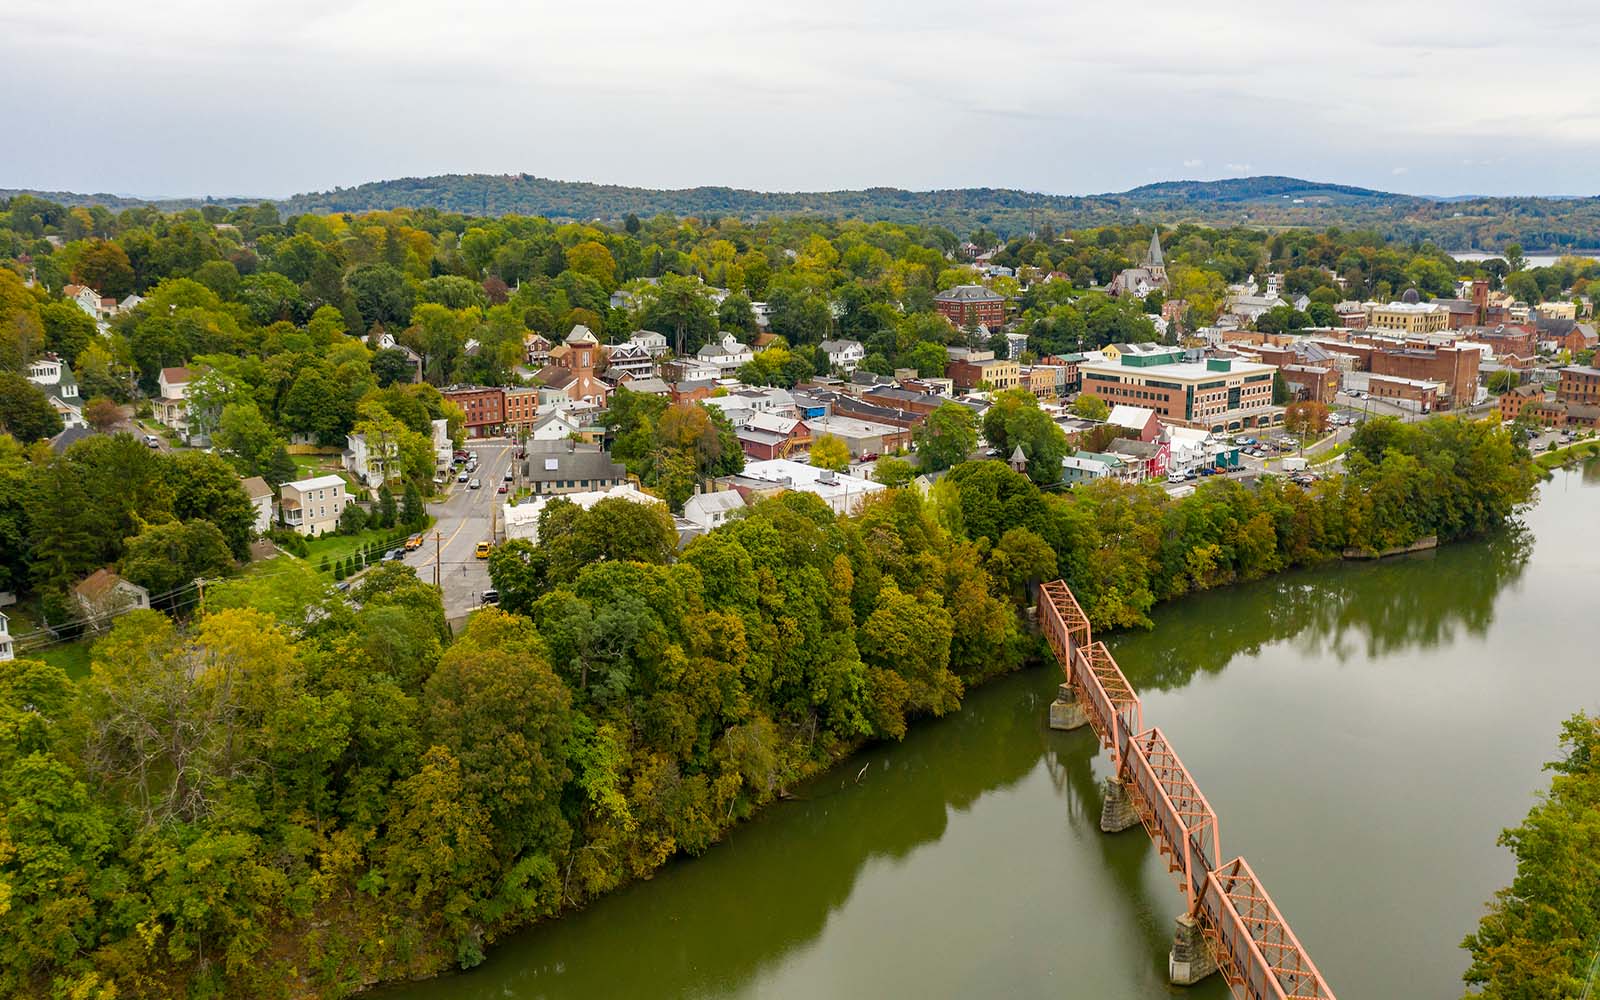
1579	384
1518	398
1410	316
1315	383
1220	394
982	367
312	506
485	407
171	407
1414	394
1455	367
521	409
972	305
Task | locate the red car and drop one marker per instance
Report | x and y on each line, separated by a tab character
502	488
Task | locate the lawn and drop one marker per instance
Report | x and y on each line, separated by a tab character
1571	453
73	657
336	547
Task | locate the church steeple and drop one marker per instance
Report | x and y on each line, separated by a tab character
1155	259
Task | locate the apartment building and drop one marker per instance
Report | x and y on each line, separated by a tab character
312	506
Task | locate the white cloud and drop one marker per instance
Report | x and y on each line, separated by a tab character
832	93
1397	171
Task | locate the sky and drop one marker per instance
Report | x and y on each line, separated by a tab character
258	98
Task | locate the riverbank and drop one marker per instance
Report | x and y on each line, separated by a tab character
968	860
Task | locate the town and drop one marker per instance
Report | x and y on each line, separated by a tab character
1240	396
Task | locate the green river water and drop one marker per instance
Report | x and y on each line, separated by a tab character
1364	732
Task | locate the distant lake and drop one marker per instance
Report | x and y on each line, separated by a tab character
1534	259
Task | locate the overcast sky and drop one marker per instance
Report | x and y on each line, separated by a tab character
250	97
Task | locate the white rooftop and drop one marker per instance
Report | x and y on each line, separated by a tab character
317	483
1134	417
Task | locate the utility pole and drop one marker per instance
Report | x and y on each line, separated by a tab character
200	582
436	539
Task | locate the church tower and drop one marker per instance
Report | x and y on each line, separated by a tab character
1155	261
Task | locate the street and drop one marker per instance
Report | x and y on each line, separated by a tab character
462	520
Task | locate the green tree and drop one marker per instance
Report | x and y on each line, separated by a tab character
1016	421
830	452
1090	407
163	557
893	472
948	436
25	410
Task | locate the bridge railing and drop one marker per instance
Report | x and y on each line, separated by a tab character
1174	812
1256	951
1110	693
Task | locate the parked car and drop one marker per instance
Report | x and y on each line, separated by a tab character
474	483
462	456
503	488
151	441
482	551
414	542
462	478
397	555
508	475
491	596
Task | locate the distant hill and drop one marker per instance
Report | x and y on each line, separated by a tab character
1553	223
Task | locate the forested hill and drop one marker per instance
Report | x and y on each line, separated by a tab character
1537	223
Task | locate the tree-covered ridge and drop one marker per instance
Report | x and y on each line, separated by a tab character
1463	222
304	791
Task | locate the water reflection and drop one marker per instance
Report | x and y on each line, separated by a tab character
1368	609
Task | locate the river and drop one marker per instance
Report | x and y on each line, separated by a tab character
1364	732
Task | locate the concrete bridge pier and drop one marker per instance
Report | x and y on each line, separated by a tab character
1190	959
1118	813
1066	712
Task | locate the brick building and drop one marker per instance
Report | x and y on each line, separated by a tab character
972	305
1513	402
982	367
1416	395
1579	384
1311	382
521	408
485	407
1221	394
1456	367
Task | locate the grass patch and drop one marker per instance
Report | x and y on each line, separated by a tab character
1332	453
337	547
1575	452
72	657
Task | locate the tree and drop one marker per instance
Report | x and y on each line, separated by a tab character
1306	418
279	468
102	414
244	434
104	266
1514	256
392	365
412	512
381	295
1282	319
1538	937
1016	421
1503	381
830	452
25	410
163	557
893	472
947	437
928	358
383	514
1090	407
205	487
68	330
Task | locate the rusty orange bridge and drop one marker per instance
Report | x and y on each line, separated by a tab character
1229	925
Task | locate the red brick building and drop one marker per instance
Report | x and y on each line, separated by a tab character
1313	383
1456	367
1513	402
1579	384
484	406
1417	395
972	305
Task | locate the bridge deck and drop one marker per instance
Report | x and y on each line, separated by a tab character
1257	954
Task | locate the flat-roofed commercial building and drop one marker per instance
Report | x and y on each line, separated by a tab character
1220	394
1411	317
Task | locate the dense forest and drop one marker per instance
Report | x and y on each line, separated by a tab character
1269	202
301	791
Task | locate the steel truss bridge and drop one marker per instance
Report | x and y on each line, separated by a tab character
1254	949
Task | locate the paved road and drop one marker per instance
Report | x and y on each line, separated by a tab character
462	520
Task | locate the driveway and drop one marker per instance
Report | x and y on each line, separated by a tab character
462	520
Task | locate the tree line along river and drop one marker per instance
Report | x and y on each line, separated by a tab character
1364	732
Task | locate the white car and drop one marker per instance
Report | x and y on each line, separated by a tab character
474	483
